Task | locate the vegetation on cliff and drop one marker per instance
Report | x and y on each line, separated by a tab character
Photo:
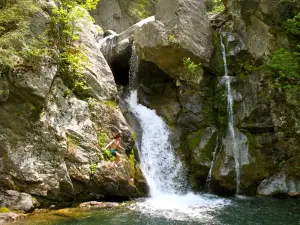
284	67
15	41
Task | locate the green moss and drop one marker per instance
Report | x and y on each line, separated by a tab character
111	104
72	140
4	210
135	171
257	169
194	139
92	102
35	202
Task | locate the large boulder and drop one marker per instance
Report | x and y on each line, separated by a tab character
181	30
17	201
280	184
110	15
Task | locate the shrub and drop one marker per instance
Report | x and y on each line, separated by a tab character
284	68
190	66
15	36
215	6
93	168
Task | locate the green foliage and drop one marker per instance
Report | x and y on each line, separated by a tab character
139	9
72	141
66	16
4	210
93	168
110	104
134	136
293	25
16	40
92	102
102	139
284	68
172	38
215	6
190	66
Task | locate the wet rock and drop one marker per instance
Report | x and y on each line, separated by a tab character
280	184
99	205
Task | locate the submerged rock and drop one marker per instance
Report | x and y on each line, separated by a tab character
8	217
99	205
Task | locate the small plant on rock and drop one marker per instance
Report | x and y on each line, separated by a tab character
93	168
190	66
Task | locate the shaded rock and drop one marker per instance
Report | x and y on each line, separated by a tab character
17	201
4	89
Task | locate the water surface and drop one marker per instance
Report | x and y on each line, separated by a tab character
210	210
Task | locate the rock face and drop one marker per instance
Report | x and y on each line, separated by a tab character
181	30
52	142
109	15
195	107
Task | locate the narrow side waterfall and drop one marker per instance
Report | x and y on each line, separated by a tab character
208	179
231	132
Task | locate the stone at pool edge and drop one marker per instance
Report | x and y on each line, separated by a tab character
99	205
9	217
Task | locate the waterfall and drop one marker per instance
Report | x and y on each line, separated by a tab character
208	179
231	133
162	169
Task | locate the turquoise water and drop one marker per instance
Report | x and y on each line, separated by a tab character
237	211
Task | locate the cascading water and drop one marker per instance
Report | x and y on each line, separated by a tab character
163	170
208	179
231	132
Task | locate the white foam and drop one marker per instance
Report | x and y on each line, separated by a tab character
189	207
